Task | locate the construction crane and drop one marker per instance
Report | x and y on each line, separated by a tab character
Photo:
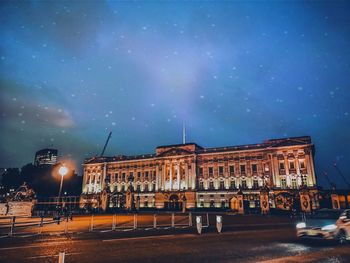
104	148
341	174
329	181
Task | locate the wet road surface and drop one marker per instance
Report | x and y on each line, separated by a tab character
277	244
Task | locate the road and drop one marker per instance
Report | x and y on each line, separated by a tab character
275	244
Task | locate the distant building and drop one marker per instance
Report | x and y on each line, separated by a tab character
45	157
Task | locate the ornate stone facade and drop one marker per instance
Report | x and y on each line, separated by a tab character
190	175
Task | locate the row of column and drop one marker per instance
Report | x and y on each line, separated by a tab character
164	183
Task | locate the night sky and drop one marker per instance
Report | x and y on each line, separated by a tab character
235	72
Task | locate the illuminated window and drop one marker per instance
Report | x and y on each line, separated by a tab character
232	169
294	183
283	183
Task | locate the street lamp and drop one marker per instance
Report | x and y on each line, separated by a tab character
63	170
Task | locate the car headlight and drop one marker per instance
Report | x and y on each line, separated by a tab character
329	227
301	225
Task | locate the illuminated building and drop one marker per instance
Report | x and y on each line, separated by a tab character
208	177
45	157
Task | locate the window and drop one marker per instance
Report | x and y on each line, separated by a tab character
123	176
267	167
138	175
221	170
138	188
291	165
255	184
131	175
232	170
146	175
233	185
304	180
281	165
283	183
222	185
244	184
200	171
302	164
254	168
146	187
242	169
201	186
294	183
210	171
211	185
108	178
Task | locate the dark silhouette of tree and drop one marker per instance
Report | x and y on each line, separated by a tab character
11	179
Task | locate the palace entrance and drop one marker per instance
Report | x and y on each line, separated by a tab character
173	204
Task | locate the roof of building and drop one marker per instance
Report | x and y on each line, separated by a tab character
272	143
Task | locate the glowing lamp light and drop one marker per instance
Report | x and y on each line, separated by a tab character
301	225
329	227
63	170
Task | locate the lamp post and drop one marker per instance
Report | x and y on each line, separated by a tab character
63	170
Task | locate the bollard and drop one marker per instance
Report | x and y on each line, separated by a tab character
66	225
91	224
135	221
189	219
172	220
61	256
219	223
12	228
207	219
41	224
113	222
199	224
154	221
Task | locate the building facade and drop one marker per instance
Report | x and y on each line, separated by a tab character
45	157
196	177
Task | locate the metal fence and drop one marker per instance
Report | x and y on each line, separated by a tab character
21	226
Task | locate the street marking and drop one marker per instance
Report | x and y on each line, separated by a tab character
49	256
32	246
148	237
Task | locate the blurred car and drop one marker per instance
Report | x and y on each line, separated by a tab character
326	224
